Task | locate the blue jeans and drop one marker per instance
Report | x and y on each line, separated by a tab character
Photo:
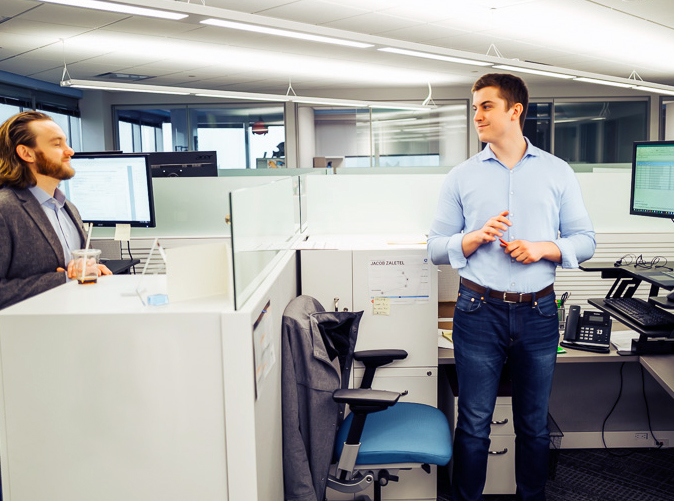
486	333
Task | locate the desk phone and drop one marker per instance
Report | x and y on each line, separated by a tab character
591	332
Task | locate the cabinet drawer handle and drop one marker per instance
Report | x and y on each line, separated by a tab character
505	421
498	453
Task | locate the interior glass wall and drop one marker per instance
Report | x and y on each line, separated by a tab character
667	118
244	136
599	131
364	137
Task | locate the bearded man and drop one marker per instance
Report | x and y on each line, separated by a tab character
39	228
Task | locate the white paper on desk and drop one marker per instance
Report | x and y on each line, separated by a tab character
622	340
443	342
197	271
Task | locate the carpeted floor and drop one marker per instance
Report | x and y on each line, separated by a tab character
600	475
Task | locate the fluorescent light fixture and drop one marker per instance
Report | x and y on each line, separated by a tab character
604	82
437	57
395	106
329	101
243	95
655	89
284	33
533	72
121	8
152	89
226	94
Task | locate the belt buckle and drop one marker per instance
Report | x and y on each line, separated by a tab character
505	300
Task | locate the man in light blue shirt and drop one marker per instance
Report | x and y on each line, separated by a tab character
506	218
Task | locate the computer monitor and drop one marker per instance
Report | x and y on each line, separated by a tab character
184	164
110	189
652	191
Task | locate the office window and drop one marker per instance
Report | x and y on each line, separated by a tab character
62	110
144	130
600	131
7	111
361	137
244	136
667	118
538	125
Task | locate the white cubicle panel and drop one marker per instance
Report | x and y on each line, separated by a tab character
607	198
191	206
371	204
104	398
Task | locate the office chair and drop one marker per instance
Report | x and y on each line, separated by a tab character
382	436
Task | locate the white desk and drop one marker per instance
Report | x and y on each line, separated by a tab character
104	398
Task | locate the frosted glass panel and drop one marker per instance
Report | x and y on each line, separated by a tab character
265	222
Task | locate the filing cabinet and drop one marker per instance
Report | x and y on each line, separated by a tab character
344	274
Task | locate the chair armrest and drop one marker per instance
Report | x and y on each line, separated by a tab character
376	358
361	403
365	401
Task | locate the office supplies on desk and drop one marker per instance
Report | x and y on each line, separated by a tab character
592	332
640	311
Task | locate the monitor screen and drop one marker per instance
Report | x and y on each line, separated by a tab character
110	189
184	163
653	179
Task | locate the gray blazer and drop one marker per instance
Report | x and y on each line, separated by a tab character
30	250
316	357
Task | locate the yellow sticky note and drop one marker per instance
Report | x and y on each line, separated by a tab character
381	306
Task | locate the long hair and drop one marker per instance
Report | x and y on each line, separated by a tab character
14	172
512	90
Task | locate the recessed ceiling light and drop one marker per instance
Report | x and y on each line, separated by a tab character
284	33
121	8
604	82
437	57
533	72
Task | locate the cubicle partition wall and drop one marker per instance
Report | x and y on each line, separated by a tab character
265	224
188	211
105	397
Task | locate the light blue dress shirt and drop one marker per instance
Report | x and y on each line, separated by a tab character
545	203
64	226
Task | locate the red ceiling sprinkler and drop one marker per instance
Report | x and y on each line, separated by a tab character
260	128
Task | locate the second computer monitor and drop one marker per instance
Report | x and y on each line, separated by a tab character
652	192
184	163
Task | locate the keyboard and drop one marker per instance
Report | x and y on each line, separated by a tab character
639	311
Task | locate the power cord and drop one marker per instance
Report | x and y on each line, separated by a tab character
658	443
640	262
603	426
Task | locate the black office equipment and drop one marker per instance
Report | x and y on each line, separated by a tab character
120	266
110	189
652	188
591	332
184	164
640	311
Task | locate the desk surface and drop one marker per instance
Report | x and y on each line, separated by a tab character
661	367
446	356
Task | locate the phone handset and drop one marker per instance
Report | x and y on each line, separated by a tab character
571	330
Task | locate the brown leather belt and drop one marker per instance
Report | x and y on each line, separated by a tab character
508	297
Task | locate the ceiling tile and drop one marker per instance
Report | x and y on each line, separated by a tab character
313	12
72	16
11	8
372	24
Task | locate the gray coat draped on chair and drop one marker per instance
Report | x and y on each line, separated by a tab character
317	354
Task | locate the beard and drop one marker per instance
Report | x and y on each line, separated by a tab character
48	167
